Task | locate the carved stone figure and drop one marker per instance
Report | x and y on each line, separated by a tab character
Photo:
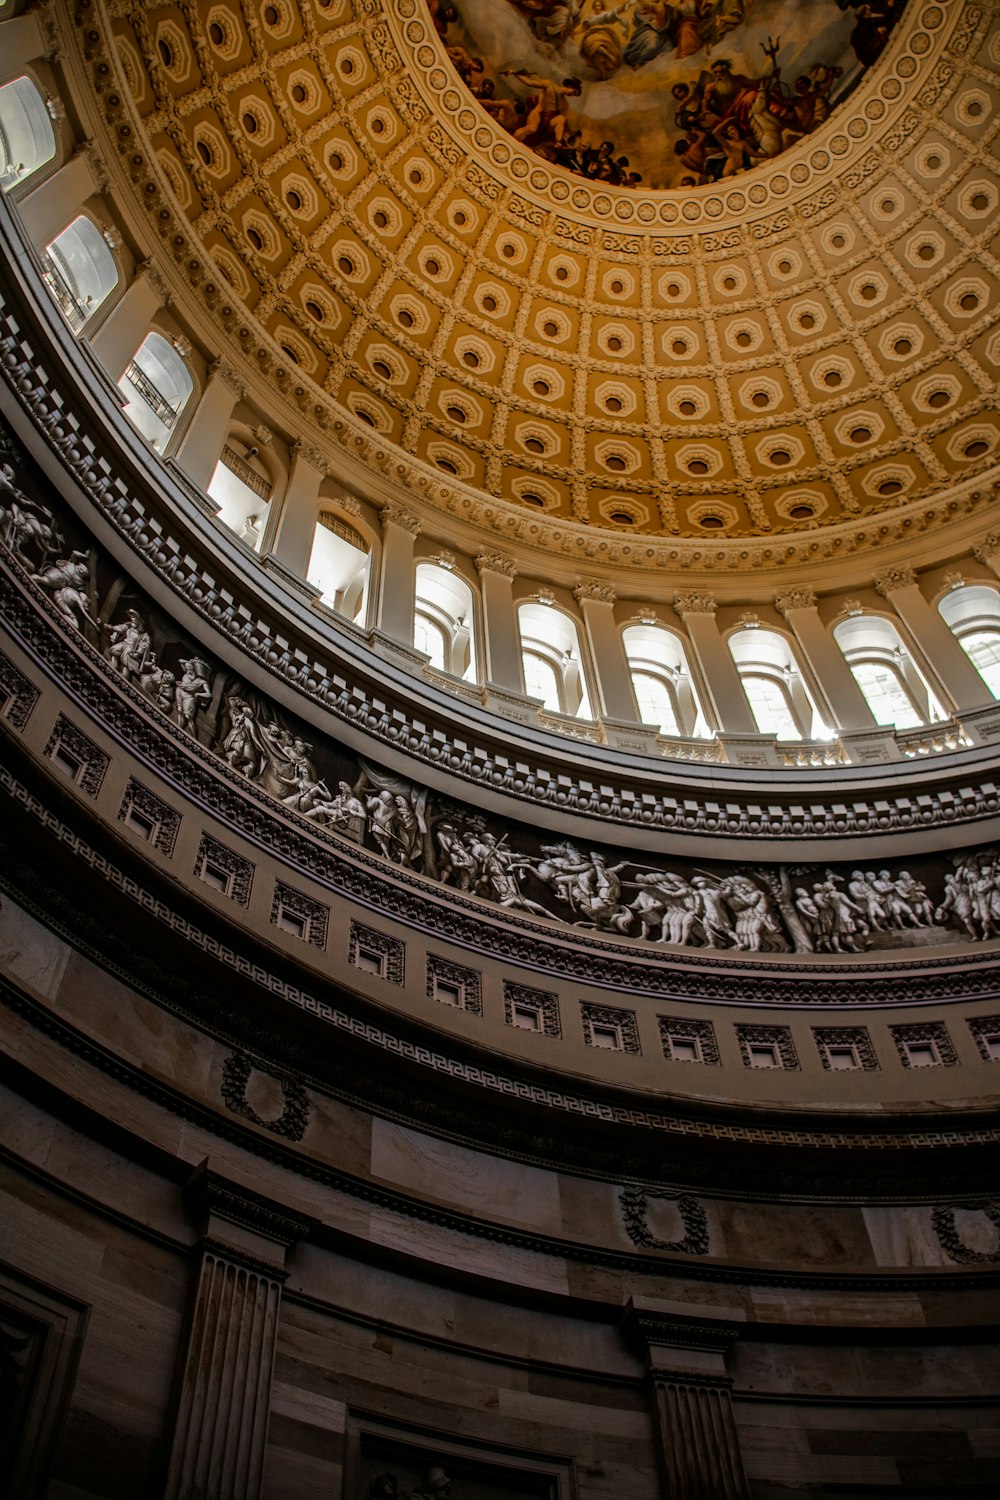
192	692
435	1485
65	583
755	925
345	812
129	646
25	526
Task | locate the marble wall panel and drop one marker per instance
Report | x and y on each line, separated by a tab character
486	1185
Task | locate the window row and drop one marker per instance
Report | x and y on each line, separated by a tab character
667	694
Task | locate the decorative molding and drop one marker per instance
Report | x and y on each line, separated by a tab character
951	1242
161	821
18	696
239	871
391	950
933	1033
222	370
92	763
468	981
398	515
313	916
792	599
238	1069
602	593
635	1202
686	1029
982	1028
695	603
890	580
610	1015
543	1003
778	1037
846	1036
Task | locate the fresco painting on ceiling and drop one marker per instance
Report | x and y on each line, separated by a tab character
632	92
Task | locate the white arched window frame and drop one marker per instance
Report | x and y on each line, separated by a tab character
340	565
972	612
894	689
780	701
157	385
80	271
661	681
27	140
551	659
444	620
243	486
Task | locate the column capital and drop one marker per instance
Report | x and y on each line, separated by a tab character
240	1223
988	547
92	155
795	599
151	271
592	588
496	562
220	369
400	516
694	603
668	1334
309	455
901	576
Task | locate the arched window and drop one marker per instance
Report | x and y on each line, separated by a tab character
886	673
339	565
80	271
550	659
661	681
780	701
242	488
27	140
443	622
156	384
973	613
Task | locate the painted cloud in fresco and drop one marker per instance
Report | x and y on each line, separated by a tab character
645	92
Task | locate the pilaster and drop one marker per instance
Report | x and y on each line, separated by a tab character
725	703
502	637
955	680
220	1431
847	703
616	700
203	439
127	324
398	581
690	1396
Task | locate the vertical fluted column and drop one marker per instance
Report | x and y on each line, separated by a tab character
690	1398
616	700
127	324
957	683
398	582
292	527
847	703
725	703
502	637
57	200
203	439
224	1387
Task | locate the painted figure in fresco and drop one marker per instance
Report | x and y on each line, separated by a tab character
548	111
